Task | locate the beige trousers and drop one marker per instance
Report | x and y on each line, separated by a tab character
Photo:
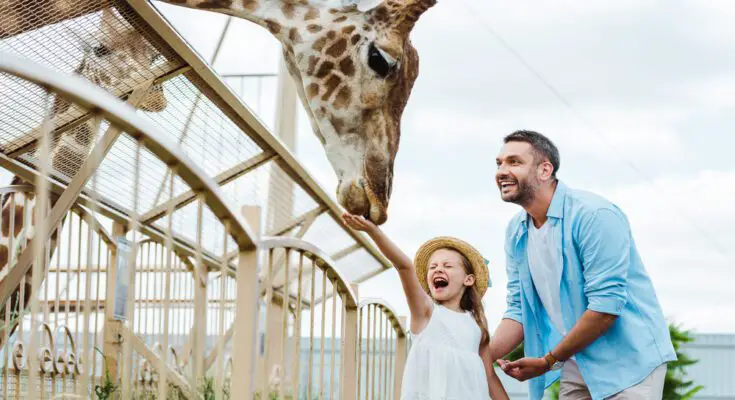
572	386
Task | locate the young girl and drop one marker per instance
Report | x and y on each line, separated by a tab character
449	357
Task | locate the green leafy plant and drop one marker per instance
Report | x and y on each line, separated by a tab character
676	387
108	388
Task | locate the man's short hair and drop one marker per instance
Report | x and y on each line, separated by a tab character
542	147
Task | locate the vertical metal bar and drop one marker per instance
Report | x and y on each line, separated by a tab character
367	352
168	266
246	322
40	227
335	294
379	346
200	299
87	309
268	302
297	330
8	311
284	322
375	348
311	327
219	381
97	309
321	343
385	357
400	357
127	348
360	315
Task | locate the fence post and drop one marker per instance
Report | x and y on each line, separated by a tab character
112	346
246	316
349	354
401	353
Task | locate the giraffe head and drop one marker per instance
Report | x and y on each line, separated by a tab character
354	70
118	55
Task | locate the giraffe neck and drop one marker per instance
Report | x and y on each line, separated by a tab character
281	17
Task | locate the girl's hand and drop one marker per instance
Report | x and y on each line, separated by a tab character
358	223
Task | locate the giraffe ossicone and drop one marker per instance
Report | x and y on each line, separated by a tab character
354	67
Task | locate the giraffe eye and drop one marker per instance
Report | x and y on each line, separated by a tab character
101	51
380	62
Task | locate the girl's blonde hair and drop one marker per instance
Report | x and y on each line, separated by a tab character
472	302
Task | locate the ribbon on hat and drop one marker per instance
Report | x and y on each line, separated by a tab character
489	281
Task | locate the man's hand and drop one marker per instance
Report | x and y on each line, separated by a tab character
525	368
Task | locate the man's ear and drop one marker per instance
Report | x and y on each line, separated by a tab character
545	170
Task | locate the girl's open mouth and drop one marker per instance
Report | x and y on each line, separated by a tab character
440	282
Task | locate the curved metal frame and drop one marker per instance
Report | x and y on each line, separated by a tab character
398	326
85	94
267	243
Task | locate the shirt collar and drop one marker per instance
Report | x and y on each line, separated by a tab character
556	208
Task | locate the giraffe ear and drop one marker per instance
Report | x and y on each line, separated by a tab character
110	26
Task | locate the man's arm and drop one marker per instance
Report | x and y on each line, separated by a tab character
506	338
604	243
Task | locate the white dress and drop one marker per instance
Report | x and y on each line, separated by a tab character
444	361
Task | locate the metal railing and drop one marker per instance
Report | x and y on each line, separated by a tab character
34	295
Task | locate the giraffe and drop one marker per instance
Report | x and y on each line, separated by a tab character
115	58
354	69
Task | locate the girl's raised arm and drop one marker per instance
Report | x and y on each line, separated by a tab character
419	303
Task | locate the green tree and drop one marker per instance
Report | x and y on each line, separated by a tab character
676	387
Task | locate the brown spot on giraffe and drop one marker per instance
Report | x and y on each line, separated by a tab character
319	44
344	98
347	66
294	36
250	5
332	82
348	29
3	255
289	10
313	60
336	49
215	4
17	223
367	28
355	38
324	69
273	26
314	28
312	90
340	19
333	11
313	13
337	123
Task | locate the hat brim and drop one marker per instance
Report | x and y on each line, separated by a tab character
477	262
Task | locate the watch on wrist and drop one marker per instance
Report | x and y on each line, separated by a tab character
553	363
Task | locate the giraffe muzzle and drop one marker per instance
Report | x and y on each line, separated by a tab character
358	198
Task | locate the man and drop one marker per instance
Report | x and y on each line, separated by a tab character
578	294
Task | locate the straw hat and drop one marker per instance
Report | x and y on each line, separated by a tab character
478	263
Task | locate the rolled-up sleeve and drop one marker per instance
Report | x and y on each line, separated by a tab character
513	296
605	248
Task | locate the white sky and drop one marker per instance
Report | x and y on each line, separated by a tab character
650	127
